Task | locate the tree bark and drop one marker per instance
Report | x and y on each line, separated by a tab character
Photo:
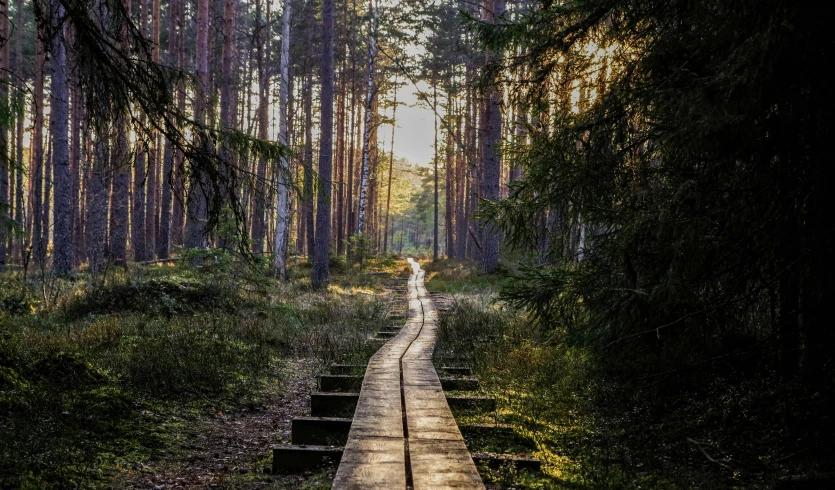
165	220
152	201
195	226
4	130
19	122
227	98
491	134
178	188
120	179
59	115
391	169
96	217
38	245
320	273
435	163
262	61
282	227
369	103
450	183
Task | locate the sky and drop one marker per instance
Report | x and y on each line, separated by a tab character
413	137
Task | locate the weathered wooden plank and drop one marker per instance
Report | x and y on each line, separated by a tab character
442	464
375	454
372	462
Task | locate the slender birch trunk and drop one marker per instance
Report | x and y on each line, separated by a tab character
369	104
282	228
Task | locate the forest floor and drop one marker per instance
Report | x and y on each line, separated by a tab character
174	376
710	428
231	450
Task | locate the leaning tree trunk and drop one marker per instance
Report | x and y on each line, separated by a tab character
369	105
320	272
59	112
282	228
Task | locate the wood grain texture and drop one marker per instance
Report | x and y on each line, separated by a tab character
375	455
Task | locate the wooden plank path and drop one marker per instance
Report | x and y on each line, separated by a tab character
403	433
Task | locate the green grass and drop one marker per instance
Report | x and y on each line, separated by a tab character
453	277
98	376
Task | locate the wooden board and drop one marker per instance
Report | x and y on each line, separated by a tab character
376	453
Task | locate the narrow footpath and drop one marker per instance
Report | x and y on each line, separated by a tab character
403	433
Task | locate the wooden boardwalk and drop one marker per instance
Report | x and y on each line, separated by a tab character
403	433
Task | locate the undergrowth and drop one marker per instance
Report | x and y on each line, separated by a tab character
96	375
710	428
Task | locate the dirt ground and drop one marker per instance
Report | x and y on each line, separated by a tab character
233	449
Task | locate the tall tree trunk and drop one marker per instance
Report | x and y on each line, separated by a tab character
177	181
59	119
197	192
450	187
164	237
151	208
137	215
260	203
96	217
227	96
19	123
491	134
369	104
307	190
320	273
75	171
391	169
37	166
282	227
5	157
350	215
121	179
461	188
435	163
341	128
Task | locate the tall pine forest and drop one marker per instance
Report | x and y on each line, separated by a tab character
620	207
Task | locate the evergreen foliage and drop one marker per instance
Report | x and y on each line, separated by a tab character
688	140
